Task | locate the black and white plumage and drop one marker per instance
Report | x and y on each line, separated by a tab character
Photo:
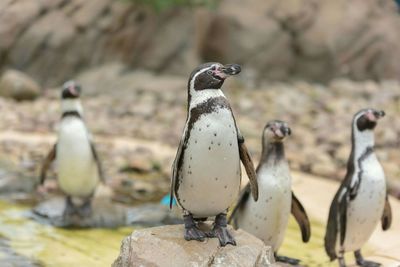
78	167
206	171
267	218
361	200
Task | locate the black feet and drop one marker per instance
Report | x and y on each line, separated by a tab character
71	209
221	232
361	262
192	232
287	260
85	210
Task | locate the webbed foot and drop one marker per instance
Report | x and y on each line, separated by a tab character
221	232
287	260
192	232
86	209
361	262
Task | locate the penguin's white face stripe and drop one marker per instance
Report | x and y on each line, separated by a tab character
198	73
362	139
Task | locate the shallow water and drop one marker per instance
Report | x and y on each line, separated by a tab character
50	246
22	238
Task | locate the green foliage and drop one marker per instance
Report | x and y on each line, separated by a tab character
160	5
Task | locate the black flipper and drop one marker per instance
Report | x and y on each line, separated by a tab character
302	219
98	162
47	162
337	221
249	166
243	197
175	170
387	215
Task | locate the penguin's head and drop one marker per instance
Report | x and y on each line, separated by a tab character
366	119
276	131
70	90
211	75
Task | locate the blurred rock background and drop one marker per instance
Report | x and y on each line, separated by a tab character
312	63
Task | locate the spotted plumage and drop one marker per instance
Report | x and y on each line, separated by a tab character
267	218
361	200
206	171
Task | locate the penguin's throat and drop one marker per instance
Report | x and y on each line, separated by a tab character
68	105
199	97
362	141
272	152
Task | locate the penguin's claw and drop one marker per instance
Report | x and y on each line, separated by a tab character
223	236
69	209
85	210
365	263
193	233
287	260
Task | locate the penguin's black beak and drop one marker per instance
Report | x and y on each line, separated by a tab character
231	69
374	115
379	113
286	131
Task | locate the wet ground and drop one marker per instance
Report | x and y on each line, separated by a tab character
27	242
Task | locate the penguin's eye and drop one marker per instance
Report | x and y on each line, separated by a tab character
209	72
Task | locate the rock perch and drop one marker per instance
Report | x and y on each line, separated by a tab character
164	246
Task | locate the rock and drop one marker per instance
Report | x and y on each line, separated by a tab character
165	246
19	86
104	214
275	40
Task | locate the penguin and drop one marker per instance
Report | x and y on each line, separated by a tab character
78	167
206	171
267	218
362	199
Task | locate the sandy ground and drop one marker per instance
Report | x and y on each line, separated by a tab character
316	194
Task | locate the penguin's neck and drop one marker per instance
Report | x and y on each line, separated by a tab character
273	153
71	105
362	140
201	96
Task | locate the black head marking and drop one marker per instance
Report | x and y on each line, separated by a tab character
211	75
273	150
277	130
367	119
71	90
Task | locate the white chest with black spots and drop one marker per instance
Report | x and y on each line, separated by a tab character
77	170
210	173
267	218
365	211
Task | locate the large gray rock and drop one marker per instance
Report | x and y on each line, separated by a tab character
19	86
165	246
308	39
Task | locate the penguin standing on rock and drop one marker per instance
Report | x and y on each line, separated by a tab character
361	200
206	171
267	218
78	166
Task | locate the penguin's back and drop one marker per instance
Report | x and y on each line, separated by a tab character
210	173
77	171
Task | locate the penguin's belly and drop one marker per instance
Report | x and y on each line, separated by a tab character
267	218
77	170
210	176
365	211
